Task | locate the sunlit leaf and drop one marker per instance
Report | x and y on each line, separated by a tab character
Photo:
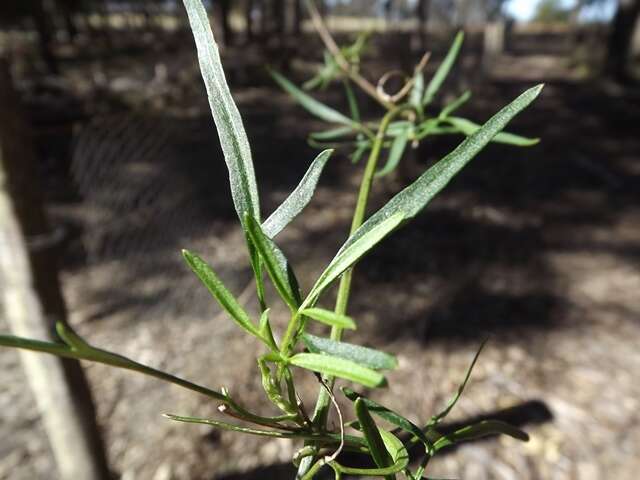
276	264
224	297
298	199
349	254
312	105
338	367
329	318
367	357
233	138
443	70
468	127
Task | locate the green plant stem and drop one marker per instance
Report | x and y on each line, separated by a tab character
344	289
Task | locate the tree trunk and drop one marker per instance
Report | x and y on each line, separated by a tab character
620	37
33	300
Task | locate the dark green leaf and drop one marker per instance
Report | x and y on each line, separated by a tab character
233	138
391	417
276	264
265	330
443	70
215	286
312	105
440	416
468	127
298	199
479	430
329	318
338	367
378	450
367	357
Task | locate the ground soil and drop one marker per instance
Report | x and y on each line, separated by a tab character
538	248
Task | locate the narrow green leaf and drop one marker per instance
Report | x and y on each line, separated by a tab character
360	151
415	97
298	199
353	102
468	127
276	264
350	253
224	297
456	104
440	416
338	367
233	138
394	446
367	357
312	105
235	428
396	151
329	318
332	133
479	430
378	450
443	70
391	417
410	201
265	330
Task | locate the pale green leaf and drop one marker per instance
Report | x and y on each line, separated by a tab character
332	133
312	105
456	104
224	297
410	201
350	253
396	151
298	199
367	357
338	367
233	138
443	70
329	318
467	127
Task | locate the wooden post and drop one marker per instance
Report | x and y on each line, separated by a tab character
33	301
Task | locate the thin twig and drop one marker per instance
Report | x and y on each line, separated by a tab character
335	454
342	62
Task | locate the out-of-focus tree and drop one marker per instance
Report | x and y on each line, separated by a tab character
623	26
552	11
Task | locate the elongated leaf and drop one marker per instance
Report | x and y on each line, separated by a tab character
276	264
415	97
443	70
312	105
367	357
391	417
396	151
298	199
410	201
378	450
338	367
332	133
394	446
224	297
360	151
469	128
233	138
479	430
92	354
349	254
352	100
329	318
456	104
440	416
265	330
235	428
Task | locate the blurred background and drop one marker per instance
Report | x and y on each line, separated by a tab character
112	164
